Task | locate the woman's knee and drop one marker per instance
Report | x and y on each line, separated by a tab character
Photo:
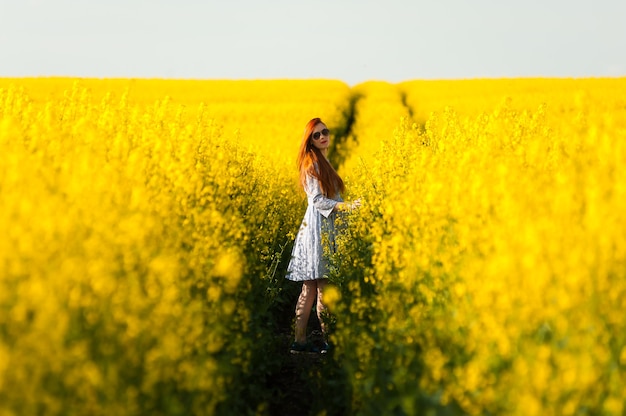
307	294
308	287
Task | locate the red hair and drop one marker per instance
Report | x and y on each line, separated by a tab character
312	162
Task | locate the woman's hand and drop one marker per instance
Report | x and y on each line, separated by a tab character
355	204
348	206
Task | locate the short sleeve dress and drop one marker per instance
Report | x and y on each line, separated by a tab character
308	260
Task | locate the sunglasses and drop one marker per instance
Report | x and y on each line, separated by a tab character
317	134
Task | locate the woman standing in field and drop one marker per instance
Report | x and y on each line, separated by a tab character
308	264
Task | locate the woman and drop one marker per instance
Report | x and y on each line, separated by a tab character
308	264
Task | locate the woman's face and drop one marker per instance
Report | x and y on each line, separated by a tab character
323	136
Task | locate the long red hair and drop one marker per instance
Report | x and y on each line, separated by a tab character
310	156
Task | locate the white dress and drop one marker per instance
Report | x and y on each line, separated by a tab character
308	259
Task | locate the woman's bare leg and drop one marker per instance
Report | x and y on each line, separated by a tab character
303	309
321	283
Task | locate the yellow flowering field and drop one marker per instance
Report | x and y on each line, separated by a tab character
148	223
141	240
485	273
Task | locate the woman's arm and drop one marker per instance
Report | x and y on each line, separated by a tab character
324	204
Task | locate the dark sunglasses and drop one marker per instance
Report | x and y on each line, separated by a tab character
317	134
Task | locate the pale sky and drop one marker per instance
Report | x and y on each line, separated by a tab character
349	40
